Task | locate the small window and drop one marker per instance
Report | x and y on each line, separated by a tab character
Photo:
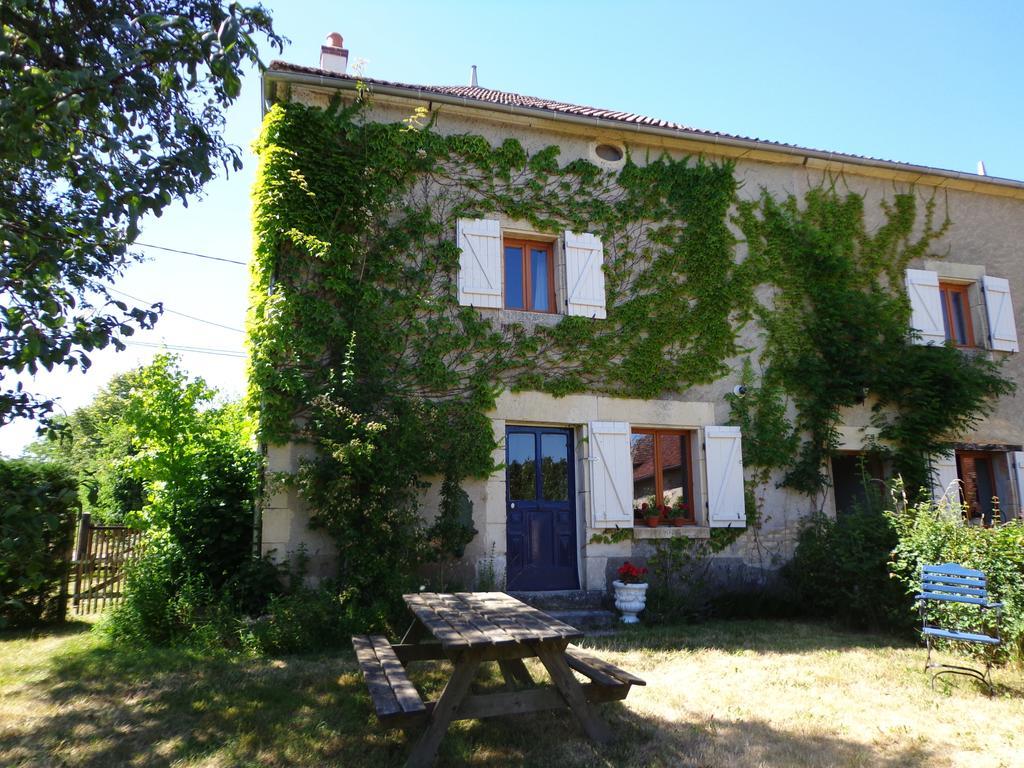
956	314
529	275
662	470
609	152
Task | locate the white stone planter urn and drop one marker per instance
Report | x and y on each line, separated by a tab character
630	599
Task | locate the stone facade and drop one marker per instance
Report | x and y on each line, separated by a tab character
985	239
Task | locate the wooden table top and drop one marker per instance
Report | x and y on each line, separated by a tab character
481	619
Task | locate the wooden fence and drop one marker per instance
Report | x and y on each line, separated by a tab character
98	567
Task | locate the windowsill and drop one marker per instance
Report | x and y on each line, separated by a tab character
976	351
523	317
672	532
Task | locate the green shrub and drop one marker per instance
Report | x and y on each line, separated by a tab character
211	518
249	589
38	505
932	535
168	600
679	584
301	621
146	615
839	571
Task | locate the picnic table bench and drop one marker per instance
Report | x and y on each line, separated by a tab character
469	629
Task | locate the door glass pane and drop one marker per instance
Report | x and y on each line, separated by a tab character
672	450
514	277
554	473
522	467
642	450
540	299
959	322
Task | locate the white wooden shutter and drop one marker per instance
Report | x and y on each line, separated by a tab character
480	262
584	275
611	475
724	458
1002	328
925	306
1017	457
946	483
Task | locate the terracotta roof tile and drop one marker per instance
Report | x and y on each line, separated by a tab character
491	96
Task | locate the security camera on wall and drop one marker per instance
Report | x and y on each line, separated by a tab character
739	390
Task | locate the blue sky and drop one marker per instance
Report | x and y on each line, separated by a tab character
934	83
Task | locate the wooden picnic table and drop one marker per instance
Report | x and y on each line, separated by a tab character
469	629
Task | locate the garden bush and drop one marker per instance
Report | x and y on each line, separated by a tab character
199	474
169	601
304	620
679	581
840	571
931	534
146	615
38	506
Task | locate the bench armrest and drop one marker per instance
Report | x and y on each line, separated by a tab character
996	606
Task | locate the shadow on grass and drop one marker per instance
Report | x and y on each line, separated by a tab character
72	627
106	706
643	740
789	637
109	706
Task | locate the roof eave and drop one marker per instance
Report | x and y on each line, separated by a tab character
271	76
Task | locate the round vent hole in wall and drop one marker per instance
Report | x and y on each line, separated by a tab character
609	152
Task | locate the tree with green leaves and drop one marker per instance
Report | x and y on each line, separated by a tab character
108	112
196	461
97	445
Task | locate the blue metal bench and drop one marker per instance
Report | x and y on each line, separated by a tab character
951	583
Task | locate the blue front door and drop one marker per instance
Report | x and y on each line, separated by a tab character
541	509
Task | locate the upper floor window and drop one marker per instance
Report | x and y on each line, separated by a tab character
529	275
956	313
514	272
941	310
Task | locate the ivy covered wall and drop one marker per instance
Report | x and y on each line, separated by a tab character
360	347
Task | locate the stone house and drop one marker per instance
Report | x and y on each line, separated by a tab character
579	465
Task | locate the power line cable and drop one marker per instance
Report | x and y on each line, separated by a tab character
191	253
175	312
182	348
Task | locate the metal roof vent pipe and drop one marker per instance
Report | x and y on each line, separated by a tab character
472	78
981	168
333	55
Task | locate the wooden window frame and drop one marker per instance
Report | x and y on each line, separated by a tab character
659	487
965	459
946	290
526	245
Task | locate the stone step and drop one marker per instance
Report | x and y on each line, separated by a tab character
565	600
589	620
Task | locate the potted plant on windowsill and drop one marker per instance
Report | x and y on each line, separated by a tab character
651	515
630	592
680	513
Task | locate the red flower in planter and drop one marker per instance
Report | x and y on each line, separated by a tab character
630	574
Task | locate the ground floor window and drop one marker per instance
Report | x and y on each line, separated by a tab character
663	469
857	482
977	473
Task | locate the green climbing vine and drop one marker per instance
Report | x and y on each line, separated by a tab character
837	335
360	348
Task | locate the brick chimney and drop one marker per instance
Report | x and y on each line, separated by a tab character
333	55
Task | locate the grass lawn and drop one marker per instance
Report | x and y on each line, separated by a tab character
718	694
